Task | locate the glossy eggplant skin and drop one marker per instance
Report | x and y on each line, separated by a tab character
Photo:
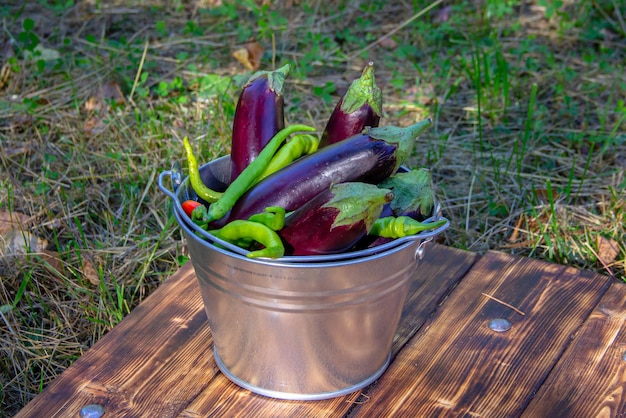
334	220
343	125
369	157
359	107
359	158
259	115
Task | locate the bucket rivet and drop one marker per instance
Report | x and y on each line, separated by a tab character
91	411
500	325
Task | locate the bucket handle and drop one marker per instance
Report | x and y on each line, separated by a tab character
164	189
425	236
176	177
428	237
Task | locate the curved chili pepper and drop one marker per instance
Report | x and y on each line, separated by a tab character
273	217
295	148
402	226
204	192
236	231
248	176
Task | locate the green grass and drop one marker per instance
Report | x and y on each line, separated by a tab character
527	152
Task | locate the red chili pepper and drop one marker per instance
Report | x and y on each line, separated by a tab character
189	206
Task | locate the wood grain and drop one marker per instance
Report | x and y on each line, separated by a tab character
158	362
590	378
441	269
457	366
150	364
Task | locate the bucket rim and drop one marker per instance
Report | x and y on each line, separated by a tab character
186	223
285	262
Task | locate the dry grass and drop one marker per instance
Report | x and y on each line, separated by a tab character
83	138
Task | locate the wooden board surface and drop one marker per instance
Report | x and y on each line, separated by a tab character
590	378
158	362
165	339
457	366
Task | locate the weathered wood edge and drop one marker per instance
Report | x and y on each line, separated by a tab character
590	378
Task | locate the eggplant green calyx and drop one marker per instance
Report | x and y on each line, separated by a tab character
402	226
362	91
413	190
356	202
275	78
403	137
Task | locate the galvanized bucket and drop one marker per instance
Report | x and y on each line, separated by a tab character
299	330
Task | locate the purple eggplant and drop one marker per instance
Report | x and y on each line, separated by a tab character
369	157
259	115
334	220
359	107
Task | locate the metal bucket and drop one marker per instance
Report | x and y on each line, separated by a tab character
298	330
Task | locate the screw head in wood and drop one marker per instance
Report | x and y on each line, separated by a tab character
500	325
92	411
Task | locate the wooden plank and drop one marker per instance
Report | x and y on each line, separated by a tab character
441	269
150	364
590	378
159	358
457	366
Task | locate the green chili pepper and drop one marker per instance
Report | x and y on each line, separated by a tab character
273	217
295	148
402	226
236	231
204	192
244	233
199	217
249	175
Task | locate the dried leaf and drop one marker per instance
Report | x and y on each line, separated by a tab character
52	258
608	249
42	53
17	242
108	92
249	55
12	220
94	125
388	43
91	273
